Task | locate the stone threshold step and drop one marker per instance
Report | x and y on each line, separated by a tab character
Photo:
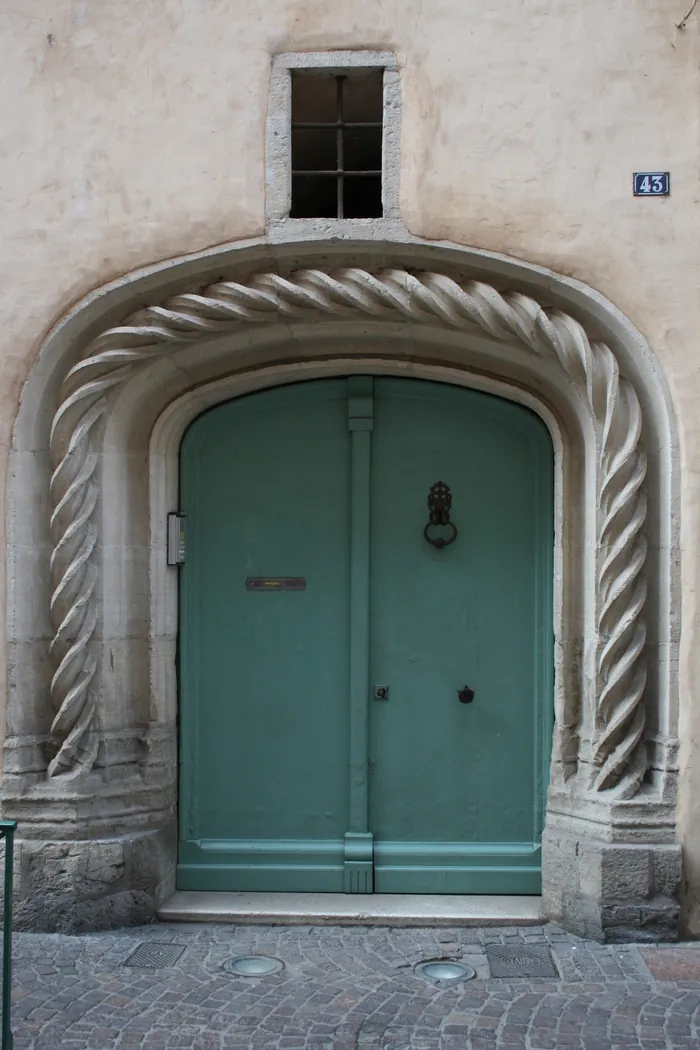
352	909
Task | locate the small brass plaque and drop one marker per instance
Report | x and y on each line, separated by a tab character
276	583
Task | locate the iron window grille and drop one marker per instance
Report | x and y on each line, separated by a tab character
337	127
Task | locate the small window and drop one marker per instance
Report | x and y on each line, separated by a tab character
337	144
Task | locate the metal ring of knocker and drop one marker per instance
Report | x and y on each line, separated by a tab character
439	503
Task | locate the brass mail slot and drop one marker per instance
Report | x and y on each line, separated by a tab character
276	583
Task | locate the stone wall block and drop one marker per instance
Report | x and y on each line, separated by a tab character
612	892
100	869
667	866
29	675
53	864
559	867
152	858
70	887
655	921
624	871
581	916
128	908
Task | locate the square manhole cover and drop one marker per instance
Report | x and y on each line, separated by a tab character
153	953
520	960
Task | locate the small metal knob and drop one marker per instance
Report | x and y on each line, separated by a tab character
466	695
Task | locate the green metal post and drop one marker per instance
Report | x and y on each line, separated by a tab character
7	831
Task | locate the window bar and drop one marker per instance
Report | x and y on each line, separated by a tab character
335	171
334	124
339	146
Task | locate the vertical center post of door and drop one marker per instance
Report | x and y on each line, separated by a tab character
359	867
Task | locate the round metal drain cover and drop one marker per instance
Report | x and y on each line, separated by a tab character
253	965
446	970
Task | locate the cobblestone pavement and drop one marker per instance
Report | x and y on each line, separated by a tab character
348	987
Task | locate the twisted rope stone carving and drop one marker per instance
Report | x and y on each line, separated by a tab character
618	750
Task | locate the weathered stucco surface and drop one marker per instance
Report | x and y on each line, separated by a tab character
135	131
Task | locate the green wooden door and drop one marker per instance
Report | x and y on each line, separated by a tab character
295	773
264	743
457	789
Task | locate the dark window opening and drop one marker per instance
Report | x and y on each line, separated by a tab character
337	145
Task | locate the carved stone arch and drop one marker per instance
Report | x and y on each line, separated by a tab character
92	713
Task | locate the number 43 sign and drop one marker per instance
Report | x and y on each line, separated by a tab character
651	183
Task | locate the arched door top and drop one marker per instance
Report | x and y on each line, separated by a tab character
423	298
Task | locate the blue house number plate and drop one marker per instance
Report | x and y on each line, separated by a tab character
652	183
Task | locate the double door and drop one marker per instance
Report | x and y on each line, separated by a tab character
365	649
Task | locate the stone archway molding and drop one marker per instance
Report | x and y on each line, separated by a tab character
424	298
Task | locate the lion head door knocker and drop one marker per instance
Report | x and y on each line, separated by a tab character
439	503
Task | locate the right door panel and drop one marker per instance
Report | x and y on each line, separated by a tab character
457	789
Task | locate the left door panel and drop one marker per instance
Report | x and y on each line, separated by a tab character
264	672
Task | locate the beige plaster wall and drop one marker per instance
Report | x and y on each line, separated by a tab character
133	131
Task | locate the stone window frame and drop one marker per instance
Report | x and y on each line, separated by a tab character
278	147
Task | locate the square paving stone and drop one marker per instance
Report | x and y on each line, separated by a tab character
673	964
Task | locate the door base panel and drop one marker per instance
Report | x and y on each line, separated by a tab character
289	866
327	909
458	880
220	878
456	867
276	865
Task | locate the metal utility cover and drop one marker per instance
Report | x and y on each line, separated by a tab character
155	954
531	960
